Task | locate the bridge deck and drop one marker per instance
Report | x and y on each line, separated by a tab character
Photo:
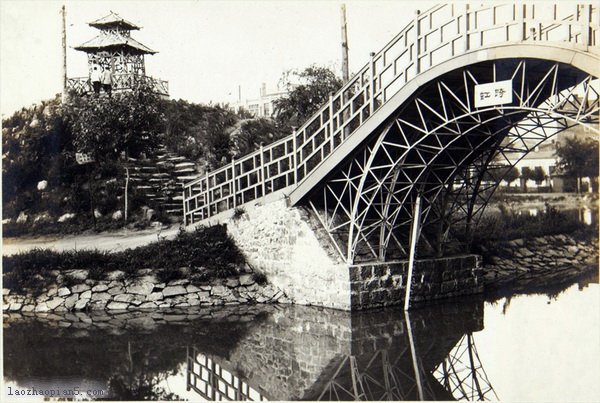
440	34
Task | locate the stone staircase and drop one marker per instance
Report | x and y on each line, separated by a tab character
160	178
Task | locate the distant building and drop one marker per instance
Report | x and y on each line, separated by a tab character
544	156
115	50
261	107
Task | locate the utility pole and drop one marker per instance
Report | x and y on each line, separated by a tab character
345	74
64	54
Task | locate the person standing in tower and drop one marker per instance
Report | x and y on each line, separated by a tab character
96	78
107	81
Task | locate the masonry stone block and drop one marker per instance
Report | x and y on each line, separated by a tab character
365	298
117	305
54	303
81	304
354	274
366	272
373	285
171	291
141	288
387	282
80	288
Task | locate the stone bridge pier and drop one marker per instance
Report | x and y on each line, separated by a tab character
295	253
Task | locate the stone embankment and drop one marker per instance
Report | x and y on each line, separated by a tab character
74	291
548	258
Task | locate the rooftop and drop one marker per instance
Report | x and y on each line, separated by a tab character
113	20
113	40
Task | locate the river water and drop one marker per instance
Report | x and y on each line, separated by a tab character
537	347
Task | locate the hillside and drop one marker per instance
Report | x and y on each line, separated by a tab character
162	143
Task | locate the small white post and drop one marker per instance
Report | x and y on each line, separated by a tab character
466	27
295	159
417	27
414	231
127	191
184	209
331	131
233	190
587	19
372	72
262	169
521	20
207	190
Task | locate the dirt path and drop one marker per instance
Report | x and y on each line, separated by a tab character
108	241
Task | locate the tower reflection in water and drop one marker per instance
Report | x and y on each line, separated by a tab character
303	353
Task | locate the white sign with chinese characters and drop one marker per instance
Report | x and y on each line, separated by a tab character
498	93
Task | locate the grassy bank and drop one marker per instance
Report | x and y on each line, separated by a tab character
200	256
509	224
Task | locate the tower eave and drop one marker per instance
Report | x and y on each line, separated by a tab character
113	20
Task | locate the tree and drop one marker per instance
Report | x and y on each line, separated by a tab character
578	158
104	127
34	143
130	124
251	134
526	174
199	131
538	175
307	91
511	175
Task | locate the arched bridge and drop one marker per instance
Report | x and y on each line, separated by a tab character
437	115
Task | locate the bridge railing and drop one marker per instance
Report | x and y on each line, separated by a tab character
437	35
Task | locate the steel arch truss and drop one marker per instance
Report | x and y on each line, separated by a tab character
389	376
462	374
439	145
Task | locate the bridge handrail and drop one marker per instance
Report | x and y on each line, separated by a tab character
413	50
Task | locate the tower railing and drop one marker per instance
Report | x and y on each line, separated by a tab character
435	36
120	82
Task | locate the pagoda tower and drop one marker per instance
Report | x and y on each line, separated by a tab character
114	48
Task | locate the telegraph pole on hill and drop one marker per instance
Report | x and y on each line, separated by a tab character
345	74
64	54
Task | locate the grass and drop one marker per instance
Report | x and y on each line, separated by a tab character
77	225
509	224
206	253
494	230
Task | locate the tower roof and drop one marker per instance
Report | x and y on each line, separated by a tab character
114	41
113	20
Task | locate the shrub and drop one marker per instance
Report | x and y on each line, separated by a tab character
510	224
208	251
238	213
166	275
259	277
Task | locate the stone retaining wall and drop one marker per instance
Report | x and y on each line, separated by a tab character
279	241
297	256
142	291
374	285
549	256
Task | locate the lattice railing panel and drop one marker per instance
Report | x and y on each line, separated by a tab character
120	82
433	37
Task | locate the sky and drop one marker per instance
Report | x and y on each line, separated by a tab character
206	49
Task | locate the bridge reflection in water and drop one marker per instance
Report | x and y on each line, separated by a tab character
303	353
257	352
